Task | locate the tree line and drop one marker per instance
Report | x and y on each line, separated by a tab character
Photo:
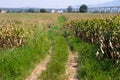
83	9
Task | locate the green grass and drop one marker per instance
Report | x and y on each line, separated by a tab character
90	68
60	21
16	64
56	67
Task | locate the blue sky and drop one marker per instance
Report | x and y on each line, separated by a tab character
52	3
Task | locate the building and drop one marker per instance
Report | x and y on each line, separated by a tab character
53	11
3	11
60	11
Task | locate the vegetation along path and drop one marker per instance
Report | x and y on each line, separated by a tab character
61	56
40	67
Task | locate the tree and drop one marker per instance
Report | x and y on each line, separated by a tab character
8	11
42	10
83	8
19	11
69	9
31	10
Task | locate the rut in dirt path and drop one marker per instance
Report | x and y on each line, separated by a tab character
40	67
72	66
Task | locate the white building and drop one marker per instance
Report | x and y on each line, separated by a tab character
60	11
53	11
3	11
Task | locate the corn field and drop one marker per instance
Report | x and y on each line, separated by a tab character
105	33
11	34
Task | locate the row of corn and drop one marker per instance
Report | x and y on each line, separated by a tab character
105	33
12	34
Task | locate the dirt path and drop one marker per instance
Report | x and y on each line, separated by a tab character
40	67
72	66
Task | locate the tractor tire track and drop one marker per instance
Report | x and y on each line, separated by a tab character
40	67
72	66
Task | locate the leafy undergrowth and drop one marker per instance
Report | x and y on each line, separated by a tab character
90	68
16	64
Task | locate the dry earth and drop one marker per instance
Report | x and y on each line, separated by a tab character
72	66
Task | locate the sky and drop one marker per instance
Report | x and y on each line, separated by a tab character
50	3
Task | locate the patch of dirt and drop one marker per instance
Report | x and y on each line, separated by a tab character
72	66
40	67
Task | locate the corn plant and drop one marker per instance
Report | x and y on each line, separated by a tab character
105	33
11	34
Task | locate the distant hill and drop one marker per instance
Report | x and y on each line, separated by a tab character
113	3
107	4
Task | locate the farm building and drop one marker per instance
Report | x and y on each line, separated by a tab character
3	11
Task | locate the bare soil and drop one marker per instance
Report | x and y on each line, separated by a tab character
72	66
